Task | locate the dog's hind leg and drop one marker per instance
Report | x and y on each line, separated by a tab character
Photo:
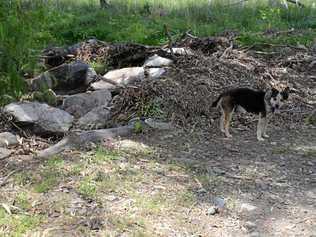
222	120
260	127
228	118
227	110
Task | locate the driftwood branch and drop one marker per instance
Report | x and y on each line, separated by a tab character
298	3
80	139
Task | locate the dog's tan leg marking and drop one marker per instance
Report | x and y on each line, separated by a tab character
227	109
260	127
222	119
265	128
228	117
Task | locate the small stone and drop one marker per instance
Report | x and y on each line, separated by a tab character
311	193
254	234
212	211
112	198
157	61
219	202
250	225
246	207
8	139
218	171
309	163
155	73
201	191
181	51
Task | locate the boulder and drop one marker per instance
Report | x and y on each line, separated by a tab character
64	77
41	118
103	85
155	73
8	139
80	104
126	76
96	118
157	61
119	77
4	153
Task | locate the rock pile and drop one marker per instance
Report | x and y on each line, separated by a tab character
144	81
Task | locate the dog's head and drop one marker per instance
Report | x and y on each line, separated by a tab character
276	98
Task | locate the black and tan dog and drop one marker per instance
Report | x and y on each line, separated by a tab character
257	102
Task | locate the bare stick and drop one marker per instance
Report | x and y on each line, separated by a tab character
85	137
167	33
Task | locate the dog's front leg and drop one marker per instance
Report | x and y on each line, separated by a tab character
260	127
265	124
228	117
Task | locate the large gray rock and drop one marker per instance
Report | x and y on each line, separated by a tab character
64	77
103	85
41	118
126	76
96	118
80	104
157	61
8	139
120	77
155	73
4	153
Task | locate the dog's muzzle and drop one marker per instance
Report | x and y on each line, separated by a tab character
275	110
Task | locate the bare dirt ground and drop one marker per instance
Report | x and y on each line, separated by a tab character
166	184
188	181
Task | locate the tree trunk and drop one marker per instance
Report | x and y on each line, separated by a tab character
104	3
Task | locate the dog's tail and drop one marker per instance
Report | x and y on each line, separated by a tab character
215	103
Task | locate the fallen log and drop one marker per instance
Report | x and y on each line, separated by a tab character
80	139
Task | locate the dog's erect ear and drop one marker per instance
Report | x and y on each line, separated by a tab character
274	92
285	93
268	94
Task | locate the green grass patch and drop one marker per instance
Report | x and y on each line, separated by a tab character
134	226
48	180
186	198
24	178
106	155
50	174
22	201
149	204
17	224
310	153
26	27
88	188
